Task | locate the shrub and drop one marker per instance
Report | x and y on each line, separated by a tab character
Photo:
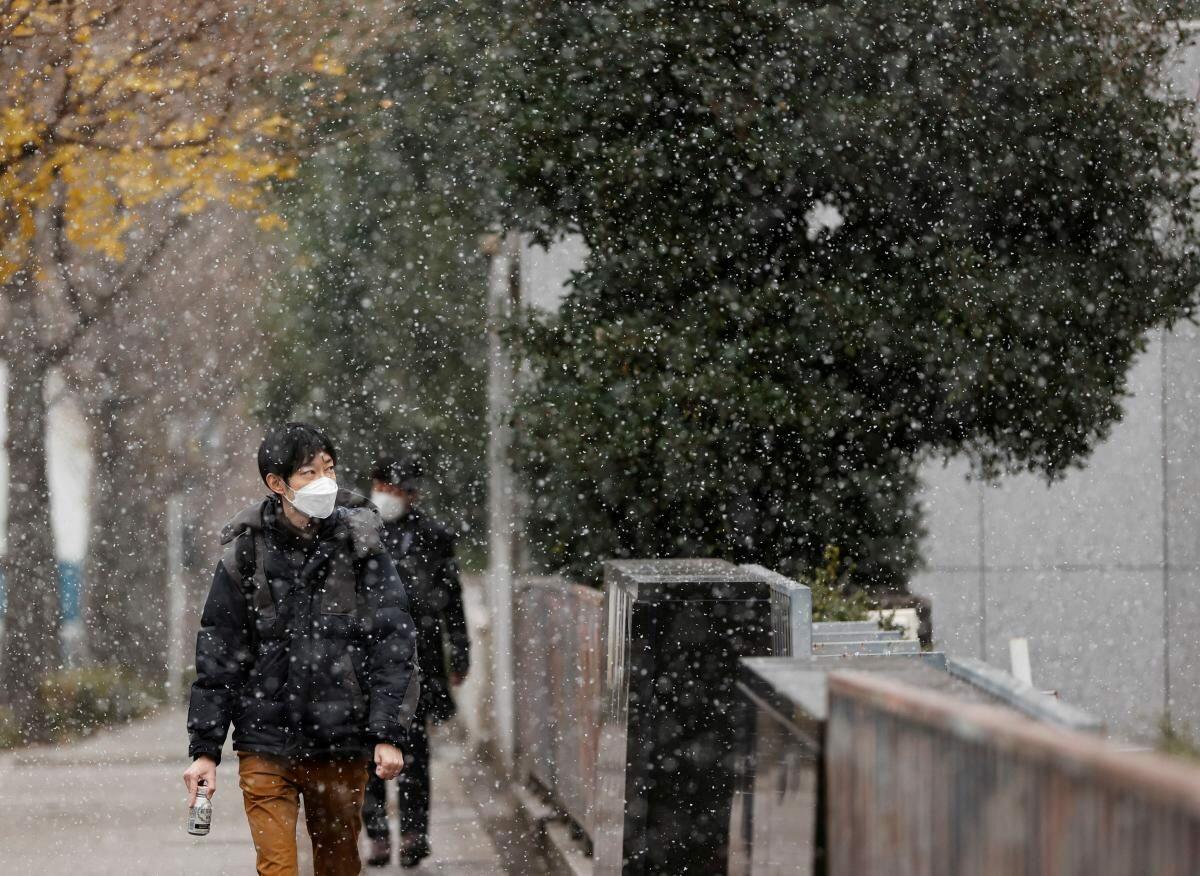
1177	739
78	702
834	597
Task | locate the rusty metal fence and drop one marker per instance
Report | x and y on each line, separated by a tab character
922	784
559	673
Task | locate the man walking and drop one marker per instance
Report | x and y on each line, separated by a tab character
307	646
425	551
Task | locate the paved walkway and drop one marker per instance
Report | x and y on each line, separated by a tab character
115	804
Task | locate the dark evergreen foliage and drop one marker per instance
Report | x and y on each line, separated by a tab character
378	331
829	240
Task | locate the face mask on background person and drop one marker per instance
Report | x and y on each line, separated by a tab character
390	507
316	498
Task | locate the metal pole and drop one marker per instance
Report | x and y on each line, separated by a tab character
176	597
502	291
1165	462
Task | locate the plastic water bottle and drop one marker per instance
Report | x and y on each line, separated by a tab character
200	815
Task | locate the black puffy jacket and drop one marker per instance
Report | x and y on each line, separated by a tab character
425	551
305	645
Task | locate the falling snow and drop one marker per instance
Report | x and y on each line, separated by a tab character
871	328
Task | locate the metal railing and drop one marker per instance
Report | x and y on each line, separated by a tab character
923	784
557	627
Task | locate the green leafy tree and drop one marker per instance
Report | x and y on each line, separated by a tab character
828	241
380	314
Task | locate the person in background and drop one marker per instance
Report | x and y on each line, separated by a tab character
306	645
425	551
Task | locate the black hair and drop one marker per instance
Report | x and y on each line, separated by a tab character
404	471
286	448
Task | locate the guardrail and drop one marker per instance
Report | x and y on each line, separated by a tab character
1021	696
557	626
920	783
858	756
626	714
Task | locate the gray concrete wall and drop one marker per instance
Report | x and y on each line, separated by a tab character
1100	571
545	272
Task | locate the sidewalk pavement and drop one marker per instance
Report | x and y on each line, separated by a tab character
115	804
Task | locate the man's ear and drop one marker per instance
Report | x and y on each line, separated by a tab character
276	484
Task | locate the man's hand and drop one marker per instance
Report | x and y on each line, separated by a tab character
202	768
389	761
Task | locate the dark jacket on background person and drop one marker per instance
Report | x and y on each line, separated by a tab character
425	550
306	644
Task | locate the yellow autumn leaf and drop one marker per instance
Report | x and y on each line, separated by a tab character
137	129
323	63
271	222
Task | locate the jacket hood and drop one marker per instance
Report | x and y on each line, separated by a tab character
357	511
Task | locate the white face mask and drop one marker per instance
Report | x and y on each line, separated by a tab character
316	498
390	507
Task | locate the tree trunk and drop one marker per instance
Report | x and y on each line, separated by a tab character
104	597
31	647
126	602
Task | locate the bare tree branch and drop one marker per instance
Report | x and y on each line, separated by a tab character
13	24
123	284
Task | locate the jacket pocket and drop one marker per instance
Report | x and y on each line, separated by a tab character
351	681
269	674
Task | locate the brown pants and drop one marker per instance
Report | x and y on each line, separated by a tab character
333	796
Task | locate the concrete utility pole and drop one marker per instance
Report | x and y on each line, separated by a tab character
176	598
504	292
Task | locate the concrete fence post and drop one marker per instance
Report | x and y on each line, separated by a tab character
671	722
